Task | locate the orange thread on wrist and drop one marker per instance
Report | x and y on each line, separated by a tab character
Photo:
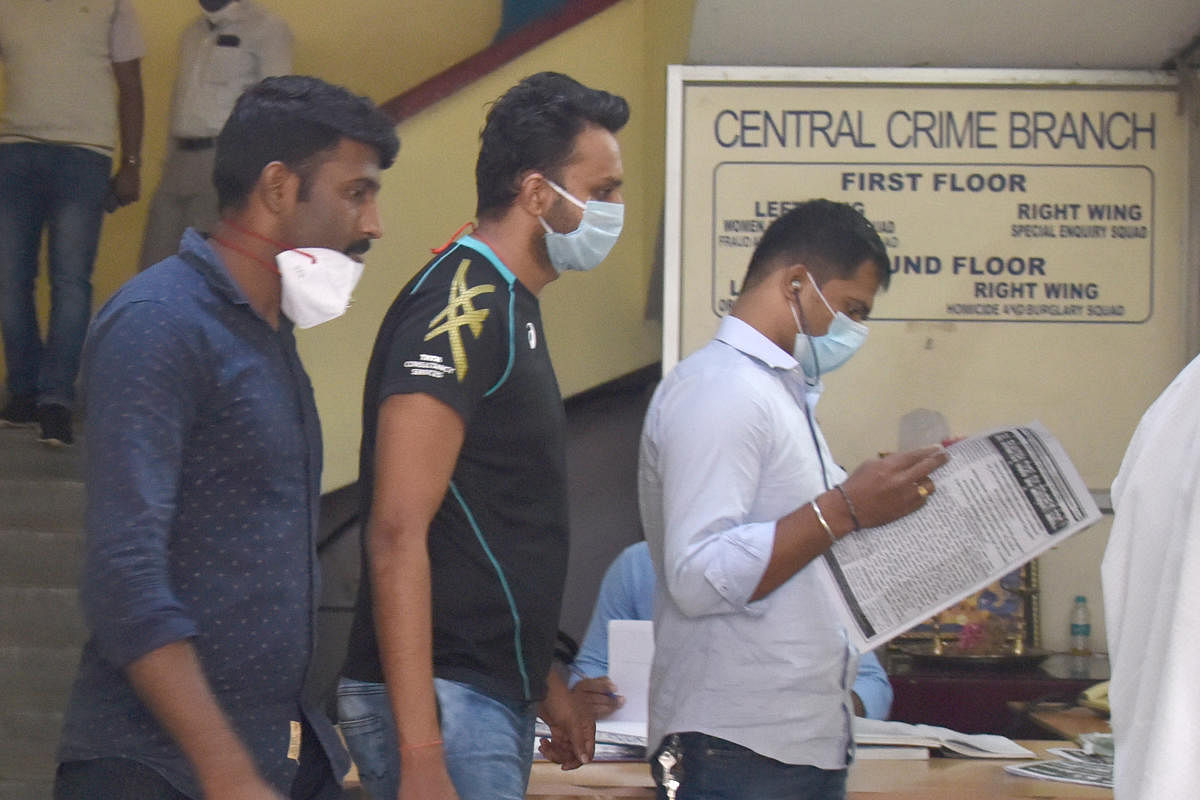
434	743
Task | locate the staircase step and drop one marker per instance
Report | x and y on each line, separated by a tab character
40	617
26	790
42	505
40	558
30	742
25	458
37	678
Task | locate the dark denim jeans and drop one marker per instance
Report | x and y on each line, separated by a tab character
708	768
126	779
488	743
112	779
60	189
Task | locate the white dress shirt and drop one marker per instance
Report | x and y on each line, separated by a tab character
727	451
1151	574
214	71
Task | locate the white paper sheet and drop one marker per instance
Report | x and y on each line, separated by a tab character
630	651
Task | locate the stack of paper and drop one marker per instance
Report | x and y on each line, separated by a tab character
876	738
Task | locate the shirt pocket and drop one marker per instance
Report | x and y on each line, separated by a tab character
230	66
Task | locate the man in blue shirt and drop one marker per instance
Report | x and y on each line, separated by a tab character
627	592
203	473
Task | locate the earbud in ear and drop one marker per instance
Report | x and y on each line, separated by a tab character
796	285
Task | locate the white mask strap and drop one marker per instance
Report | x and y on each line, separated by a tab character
564	193
821	295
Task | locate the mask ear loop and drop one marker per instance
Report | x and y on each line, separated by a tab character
812	427
804	328
564	194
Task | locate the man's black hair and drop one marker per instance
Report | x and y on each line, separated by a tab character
830	239
533	127
293	119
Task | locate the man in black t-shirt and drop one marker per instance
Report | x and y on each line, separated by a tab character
463	470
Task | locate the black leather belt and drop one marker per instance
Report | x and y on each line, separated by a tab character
187	143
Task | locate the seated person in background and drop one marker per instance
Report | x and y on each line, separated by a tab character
627	592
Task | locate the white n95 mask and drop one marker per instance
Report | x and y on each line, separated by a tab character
317	284
586	246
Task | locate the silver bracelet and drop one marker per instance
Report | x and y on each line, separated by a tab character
821	519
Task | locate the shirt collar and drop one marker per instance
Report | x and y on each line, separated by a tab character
209	264
743	336
483	248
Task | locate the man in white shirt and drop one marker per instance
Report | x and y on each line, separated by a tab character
1151	572
627	592
750	686
58	136
232	45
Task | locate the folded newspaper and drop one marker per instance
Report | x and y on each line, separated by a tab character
1088	773
877	732
1091	765
1004	497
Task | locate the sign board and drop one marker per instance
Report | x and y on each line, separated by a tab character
1035	222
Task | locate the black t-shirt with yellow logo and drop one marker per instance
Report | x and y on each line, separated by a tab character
467	332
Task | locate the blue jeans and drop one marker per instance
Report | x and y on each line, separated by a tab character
709	768
62	189
488	743
126	779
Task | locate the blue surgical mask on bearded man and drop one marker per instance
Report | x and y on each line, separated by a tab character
585	247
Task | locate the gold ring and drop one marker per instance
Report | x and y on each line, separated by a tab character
921	490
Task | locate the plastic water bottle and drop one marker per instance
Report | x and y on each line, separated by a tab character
1081	628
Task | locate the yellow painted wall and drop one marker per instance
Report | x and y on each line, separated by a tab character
379	49
595	322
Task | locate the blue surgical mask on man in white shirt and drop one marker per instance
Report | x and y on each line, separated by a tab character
822	354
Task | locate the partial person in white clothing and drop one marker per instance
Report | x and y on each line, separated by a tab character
1150	573
752	673
627	592
232	45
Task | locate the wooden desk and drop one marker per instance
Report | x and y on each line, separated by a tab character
1068	723
974	700
935	779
